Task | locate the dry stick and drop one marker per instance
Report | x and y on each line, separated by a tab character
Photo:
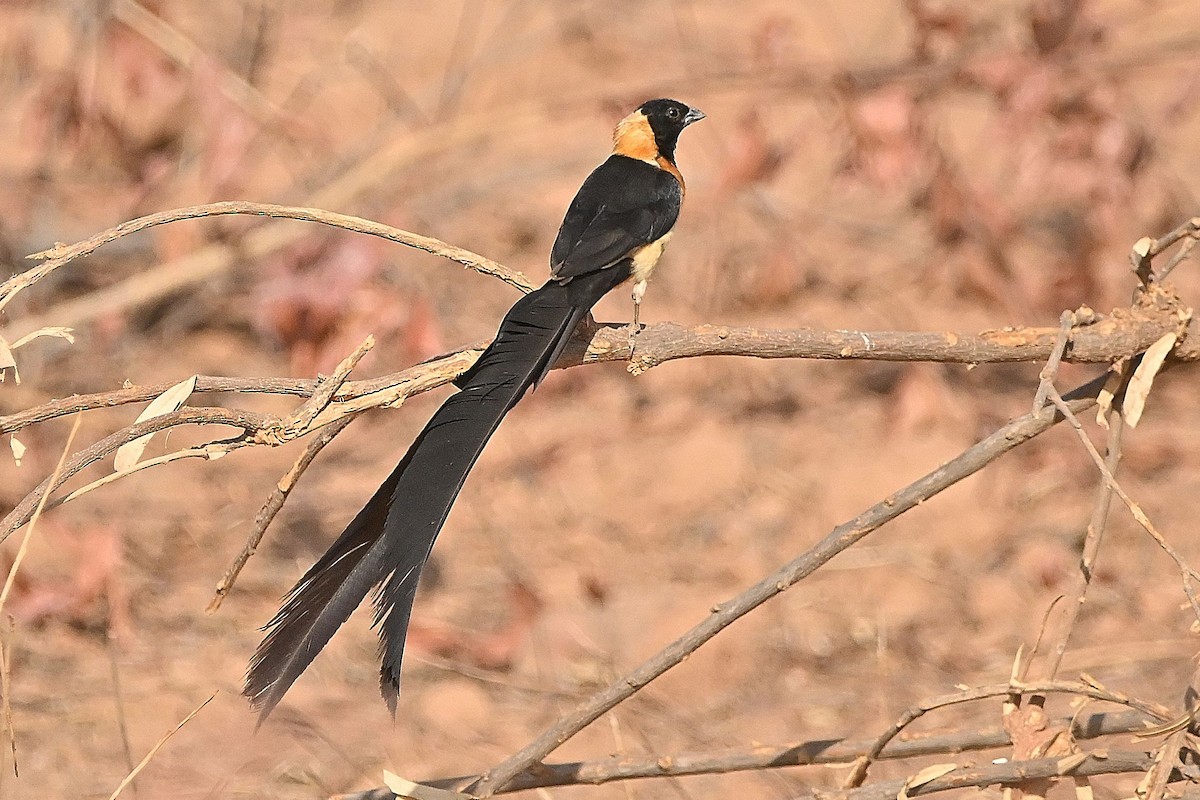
1008	774
970	461
1185	570
1077	593
1144	250
823	751
1185	250
11	580
61	254
1059	628
302	418
24	510
1186	230
6	690
915	712
271	507
1165	760
35	514
1050	371
114	672
258	429
154	750
1103	342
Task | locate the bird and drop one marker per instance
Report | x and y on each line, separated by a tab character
614	231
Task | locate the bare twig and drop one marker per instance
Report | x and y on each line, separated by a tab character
1185	250
1009	773
1146	249
35	514
919	710
1050	371
21	514
271	507
1166	758
723	614
114	672
1077	593
824	751
300	421
10	580
154	750
60	254
6	691
1187	574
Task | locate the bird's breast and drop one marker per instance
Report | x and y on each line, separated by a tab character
646	257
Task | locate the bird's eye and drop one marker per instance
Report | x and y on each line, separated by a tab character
673	113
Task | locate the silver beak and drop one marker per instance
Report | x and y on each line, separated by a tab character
693	115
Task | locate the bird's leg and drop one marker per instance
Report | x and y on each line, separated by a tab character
639	291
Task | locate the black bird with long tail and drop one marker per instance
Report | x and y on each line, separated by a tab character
614	230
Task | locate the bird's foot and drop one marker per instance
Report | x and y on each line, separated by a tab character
631	331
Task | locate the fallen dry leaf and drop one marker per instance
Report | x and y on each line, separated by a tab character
18	449
130	453
1143	378
932	772
7	361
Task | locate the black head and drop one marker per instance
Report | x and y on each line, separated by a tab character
667	119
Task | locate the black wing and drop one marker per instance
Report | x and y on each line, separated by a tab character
624	204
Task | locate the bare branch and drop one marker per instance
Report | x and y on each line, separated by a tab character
1077	593
1186	572
60	255
919	710
795	754
1103	342
1007	774
970	461
246	420
271	507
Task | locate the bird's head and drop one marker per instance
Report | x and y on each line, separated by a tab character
653	129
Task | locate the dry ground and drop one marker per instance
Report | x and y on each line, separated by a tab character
865	164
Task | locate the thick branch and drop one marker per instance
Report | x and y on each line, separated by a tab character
1106	341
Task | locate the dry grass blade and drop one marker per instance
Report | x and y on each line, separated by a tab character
5	649
37	513
154	750
6	690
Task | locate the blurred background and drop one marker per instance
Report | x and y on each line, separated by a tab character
866	164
